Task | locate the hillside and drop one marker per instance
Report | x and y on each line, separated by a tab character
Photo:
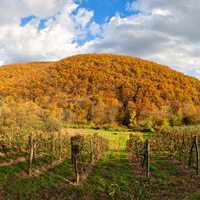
105	89
11	75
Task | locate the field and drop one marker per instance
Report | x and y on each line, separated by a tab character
115	175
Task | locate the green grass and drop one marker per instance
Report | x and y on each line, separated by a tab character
168	179
117	140
111	179
112	176
164	165
157	171
2	158
101	128
41	187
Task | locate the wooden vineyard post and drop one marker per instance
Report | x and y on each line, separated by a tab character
31	154
59	143
75	152
72	149
148	153
4	150
197	150
91	147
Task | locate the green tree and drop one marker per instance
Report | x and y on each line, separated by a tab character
174	121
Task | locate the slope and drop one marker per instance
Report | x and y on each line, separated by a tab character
92	83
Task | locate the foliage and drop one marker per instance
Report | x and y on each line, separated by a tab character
17	142
176	142
174	121
102	88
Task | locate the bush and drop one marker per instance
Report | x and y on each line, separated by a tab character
174	121
92	124
161	122
146	126
158	129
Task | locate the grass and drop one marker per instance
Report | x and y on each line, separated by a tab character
169	181
157	171
164	165
117	139
111	178
102	128
41	187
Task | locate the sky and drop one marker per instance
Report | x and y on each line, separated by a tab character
164	31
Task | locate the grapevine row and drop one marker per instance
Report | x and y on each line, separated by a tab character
83	149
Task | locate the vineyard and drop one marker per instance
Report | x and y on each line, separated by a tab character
174	145
99	164
180	145
54	146
177	145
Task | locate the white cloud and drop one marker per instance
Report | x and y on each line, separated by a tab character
12	10
166	32
95	28
128	6
83	17
56	41
161	12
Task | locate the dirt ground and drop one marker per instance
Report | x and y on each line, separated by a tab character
72	132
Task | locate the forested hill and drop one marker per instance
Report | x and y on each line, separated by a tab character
104	88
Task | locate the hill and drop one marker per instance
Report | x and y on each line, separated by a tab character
105	89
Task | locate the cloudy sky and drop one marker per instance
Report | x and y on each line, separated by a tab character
163	31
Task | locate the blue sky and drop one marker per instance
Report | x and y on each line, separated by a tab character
166	32
26	20
105	10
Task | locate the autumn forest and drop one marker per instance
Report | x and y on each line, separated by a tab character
100	90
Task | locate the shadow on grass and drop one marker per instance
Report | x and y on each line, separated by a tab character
42	187
111	179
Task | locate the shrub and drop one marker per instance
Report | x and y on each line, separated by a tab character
174	121
146	126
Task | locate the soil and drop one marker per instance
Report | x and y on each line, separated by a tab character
41	169
14	161
84	178
73	132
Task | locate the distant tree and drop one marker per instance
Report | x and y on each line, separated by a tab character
52	123
174	121
69	117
